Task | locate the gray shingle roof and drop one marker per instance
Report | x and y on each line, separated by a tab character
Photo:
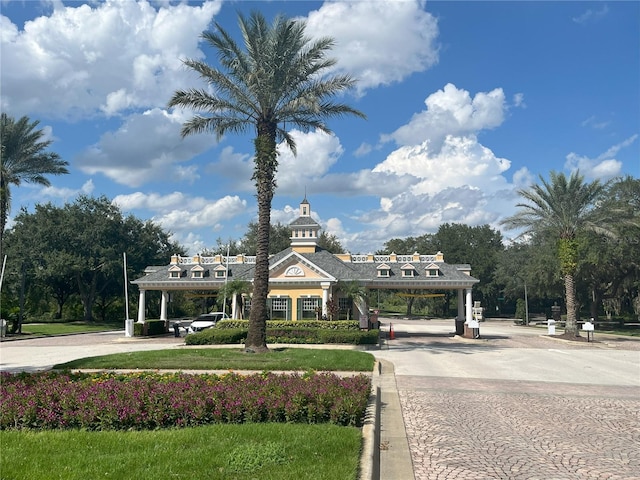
451	276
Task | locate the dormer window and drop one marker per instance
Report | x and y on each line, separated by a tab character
408	270
197	272
432	270
384	270
175	271
220	272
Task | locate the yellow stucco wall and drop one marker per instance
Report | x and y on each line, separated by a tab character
294	293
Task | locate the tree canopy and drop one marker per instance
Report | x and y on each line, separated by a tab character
23	158
561	209
80	250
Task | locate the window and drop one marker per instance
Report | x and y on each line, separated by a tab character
221	273
309	307
408	270
384	270
432	270
196	274
279	308
175	271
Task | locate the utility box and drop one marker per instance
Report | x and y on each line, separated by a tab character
128	327
551	326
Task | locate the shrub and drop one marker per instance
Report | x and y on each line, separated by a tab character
146	400
150	328
295	335
216	336
370	337
323	324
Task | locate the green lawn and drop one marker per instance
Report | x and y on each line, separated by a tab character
45	329
229	452
230	359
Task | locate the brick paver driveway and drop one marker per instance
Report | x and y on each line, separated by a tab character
517	405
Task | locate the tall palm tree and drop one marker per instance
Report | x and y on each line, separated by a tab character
560	209
275	81
23	158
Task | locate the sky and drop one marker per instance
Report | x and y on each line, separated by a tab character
466	103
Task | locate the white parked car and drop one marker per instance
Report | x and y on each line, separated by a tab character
206	320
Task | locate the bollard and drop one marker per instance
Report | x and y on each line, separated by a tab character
551	326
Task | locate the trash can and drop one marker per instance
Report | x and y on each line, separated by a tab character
460	326
551	326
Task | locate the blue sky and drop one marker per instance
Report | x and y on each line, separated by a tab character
466	103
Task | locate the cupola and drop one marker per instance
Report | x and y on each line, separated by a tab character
304	230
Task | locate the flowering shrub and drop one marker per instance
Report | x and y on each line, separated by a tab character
145	400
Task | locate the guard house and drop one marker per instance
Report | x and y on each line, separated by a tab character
304	276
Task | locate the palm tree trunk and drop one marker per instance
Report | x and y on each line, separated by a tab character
571	326
264	174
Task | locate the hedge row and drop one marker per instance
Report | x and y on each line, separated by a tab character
296	335
323	324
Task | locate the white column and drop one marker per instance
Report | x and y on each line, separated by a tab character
325	298
234	306
141	306
460	304
163	305
469	305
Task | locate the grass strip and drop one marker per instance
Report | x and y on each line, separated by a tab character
229	452
46	329
299	359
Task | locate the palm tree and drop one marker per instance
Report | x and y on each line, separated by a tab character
560	209
275	82
355	292
235	289
23	159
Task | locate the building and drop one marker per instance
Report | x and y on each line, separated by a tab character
305	278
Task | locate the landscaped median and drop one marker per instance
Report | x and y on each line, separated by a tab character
296	425
291	332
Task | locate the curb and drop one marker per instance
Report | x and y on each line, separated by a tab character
370	455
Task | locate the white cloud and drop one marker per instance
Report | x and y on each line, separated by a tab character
518	100
604	166
460	161
185	216
523	178
316	153
65	193
451	111
146	147
446	174
379	42
591	16
594	123
363	149
108	57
